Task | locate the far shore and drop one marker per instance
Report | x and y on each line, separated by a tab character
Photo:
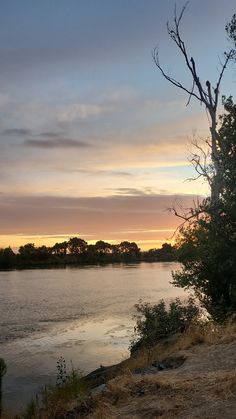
76	252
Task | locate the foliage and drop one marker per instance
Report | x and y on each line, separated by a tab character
154	322
7	258
231	29
207	246
227	157
166	253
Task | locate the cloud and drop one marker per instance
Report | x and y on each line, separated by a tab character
3	99
49	134
92	172
21	132
82	111
133	191
56	143
94	215
116	173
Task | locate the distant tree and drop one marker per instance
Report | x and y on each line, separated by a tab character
60	248
165	253
102	247
43	254
27	249
77	246
27	253
129	250
7	258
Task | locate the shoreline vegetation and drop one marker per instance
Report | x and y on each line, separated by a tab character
77	251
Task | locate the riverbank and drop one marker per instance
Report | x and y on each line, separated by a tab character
189	375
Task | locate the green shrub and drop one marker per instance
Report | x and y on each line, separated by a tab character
154	322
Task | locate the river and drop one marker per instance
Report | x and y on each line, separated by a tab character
84	314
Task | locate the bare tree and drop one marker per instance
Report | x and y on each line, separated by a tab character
207	95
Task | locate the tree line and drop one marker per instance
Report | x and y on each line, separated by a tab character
78	251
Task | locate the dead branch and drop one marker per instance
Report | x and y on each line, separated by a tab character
187	214
210	96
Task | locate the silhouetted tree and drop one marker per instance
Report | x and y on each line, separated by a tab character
129	250
7	258
207	94
77	246
207	243
27	253
207	247
231	30
43	254
60	248
102	247
165	253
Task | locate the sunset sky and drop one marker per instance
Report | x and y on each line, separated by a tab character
93	141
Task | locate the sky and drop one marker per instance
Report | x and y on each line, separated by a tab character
93	141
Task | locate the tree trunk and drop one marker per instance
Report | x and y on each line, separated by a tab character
215	186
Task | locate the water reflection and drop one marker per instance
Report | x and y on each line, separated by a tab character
83	314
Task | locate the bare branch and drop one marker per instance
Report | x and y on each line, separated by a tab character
208	95
155	55
188	215
174	34
228	56
200	162
188	102
177	20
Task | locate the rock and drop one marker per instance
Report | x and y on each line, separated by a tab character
157	366
174	362
142	371
160	366
98	390
101	375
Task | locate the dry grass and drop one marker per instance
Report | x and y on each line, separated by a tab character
207	396
207	333
203	387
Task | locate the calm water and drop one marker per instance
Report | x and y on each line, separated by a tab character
83	314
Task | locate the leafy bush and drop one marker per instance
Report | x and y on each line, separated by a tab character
154	322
